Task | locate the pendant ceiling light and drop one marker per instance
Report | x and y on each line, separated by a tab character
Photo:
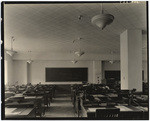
11	52
102	20
74	61
80	52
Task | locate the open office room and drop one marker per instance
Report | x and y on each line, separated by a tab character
75	60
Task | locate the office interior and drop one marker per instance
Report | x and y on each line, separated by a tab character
61	62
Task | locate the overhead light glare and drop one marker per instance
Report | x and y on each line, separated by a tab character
11	52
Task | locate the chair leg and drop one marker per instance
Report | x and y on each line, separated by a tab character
78	113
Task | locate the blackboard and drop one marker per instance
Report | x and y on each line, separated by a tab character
112	75
116	75
66	74
112	78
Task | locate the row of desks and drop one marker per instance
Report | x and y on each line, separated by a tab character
23	109
24	105
88	108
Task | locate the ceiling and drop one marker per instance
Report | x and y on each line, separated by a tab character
51	28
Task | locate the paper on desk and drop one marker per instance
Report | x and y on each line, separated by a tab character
98	95
19	95
112	95
26	111
94	109
30	97
142	108
9	110
18	110
97	99
123	108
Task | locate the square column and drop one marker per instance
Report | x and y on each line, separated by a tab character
29	73
97	72
131	59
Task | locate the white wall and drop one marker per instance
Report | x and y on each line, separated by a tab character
63	56
28	73
20	72
144	67
97	72
35	72
38	69
8	67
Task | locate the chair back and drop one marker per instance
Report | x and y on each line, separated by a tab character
108	113
38	108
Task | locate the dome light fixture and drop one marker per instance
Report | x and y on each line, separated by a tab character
79	52
30	61
11	52
102	20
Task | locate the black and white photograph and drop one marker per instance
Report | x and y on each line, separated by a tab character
74	60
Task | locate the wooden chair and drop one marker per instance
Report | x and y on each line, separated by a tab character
38	108
131	115
107	114
44	104
79	106
46	100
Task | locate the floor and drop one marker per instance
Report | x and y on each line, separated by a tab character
61	106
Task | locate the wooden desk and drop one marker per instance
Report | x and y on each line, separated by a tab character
133	112
126	112
33	97
132	108
98	95
20	105
16	97
18	112
9	94
142	108
112	95
37	94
